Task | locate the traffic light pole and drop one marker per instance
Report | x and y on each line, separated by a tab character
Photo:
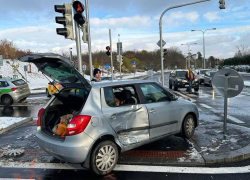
111	54
160	27
78	47
89	40
120	59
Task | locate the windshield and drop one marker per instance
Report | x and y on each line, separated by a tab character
202	71
61	72
19	82
181	73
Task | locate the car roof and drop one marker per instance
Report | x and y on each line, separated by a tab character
118	82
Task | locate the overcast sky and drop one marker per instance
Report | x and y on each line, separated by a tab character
30	24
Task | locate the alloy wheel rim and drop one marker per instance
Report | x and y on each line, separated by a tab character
105	158
6	100
190	126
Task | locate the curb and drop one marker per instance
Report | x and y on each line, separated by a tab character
15	125
38	93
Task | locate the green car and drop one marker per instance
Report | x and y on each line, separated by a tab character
13	90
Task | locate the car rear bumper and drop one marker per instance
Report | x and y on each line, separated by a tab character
73	149
18	96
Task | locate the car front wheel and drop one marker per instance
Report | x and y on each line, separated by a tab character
6	100
104	157
170	86
188	126
196	89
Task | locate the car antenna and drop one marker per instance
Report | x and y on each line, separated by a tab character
50	82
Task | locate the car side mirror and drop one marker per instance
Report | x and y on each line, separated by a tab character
198	73
174	97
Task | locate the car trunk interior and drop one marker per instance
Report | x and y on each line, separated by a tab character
65	103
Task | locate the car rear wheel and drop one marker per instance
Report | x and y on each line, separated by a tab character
47	93
188	126
104	157
6	100
196	89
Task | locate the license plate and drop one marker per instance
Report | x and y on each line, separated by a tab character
186	85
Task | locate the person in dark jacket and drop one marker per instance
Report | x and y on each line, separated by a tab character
97	75
190	77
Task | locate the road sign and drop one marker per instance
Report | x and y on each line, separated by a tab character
96	65
106	66
234	79
159	43
25	68
227	83
84	67
133	63
1	60
119	48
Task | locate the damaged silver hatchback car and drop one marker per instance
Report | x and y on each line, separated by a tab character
108	117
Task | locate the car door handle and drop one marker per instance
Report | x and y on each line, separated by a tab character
112	117
152	111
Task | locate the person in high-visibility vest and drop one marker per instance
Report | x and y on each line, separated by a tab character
190	77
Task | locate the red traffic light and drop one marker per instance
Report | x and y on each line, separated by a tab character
107	48
78	7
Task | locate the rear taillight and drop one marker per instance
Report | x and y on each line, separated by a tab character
77	125
38	122
13	89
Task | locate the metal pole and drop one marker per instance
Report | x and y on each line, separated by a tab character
225	105
71	57
119	56
78	47
189	56
204	59
160	27
89	40
111	54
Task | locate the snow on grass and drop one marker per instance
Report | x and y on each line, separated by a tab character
247	83
5	122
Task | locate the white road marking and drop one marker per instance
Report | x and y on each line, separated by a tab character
135	168
206	106
235	119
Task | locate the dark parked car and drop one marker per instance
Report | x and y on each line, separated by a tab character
177	78
208	78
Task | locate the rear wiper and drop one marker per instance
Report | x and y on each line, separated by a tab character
50	81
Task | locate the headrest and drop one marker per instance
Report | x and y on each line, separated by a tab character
126	94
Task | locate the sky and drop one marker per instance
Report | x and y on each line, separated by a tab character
31	25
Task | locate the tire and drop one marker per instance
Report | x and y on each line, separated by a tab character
210	84
105	152
47	93
170	86
188	126
6	100
196	89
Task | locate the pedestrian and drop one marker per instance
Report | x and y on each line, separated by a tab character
97	75
190	78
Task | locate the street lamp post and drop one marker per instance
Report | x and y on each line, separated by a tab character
188	64
160	28
204	59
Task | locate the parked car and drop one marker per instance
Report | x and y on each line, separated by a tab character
177	79
13	90
208	78
200	74
107	78
100	129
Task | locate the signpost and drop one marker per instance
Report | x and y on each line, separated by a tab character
227	83
134	65
1	60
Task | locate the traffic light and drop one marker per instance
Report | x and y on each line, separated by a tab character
164	52
85	33
78	16
66	20
222	4
121	59
108	49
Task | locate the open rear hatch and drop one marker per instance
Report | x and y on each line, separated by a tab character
70	99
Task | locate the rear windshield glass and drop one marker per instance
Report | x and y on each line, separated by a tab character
19	82
181	73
